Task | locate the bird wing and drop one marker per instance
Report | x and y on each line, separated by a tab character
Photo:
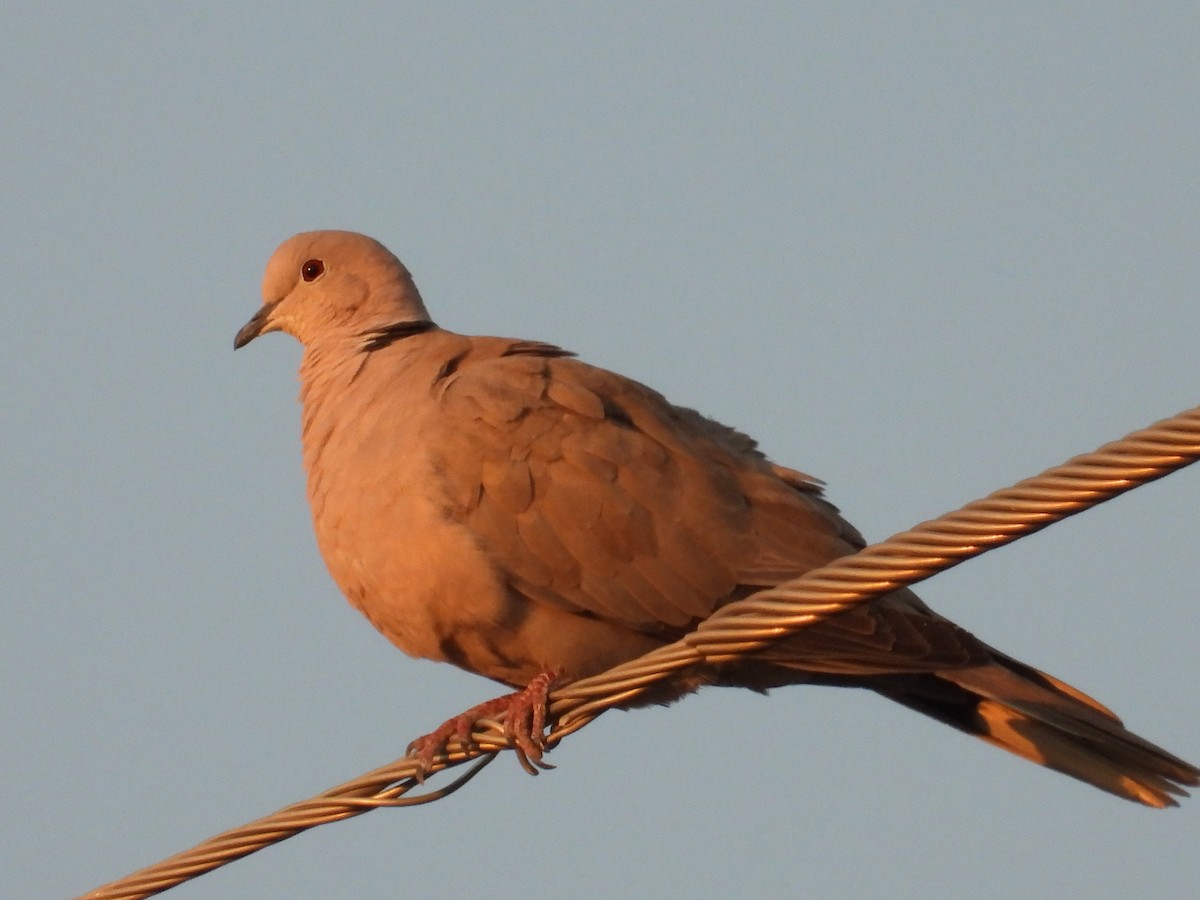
589	491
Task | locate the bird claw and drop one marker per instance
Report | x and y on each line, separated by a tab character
524	713
426	747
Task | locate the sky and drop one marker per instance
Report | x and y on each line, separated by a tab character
919	251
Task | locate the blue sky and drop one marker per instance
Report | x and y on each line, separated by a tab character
920	252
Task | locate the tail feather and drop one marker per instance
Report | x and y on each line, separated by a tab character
1051	723
1066	752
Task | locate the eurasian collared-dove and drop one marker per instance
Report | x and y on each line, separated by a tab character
502	506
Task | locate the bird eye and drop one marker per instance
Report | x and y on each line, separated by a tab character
312	270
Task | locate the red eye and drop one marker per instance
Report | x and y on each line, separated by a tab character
312	270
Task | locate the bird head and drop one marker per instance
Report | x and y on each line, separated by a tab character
333	283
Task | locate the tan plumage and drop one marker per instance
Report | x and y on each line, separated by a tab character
505	507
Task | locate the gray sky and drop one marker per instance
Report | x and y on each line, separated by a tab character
920	253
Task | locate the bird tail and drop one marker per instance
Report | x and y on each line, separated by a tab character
1040	718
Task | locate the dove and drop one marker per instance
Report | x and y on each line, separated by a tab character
502	506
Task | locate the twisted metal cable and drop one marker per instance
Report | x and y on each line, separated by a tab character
734	630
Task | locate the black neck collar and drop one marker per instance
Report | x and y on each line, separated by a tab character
378	338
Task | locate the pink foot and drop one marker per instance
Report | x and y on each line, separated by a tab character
524	713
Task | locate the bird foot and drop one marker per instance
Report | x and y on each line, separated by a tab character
524	715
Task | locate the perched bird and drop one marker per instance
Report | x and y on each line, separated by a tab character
502	506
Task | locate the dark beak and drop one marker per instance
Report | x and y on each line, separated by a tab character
257	325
